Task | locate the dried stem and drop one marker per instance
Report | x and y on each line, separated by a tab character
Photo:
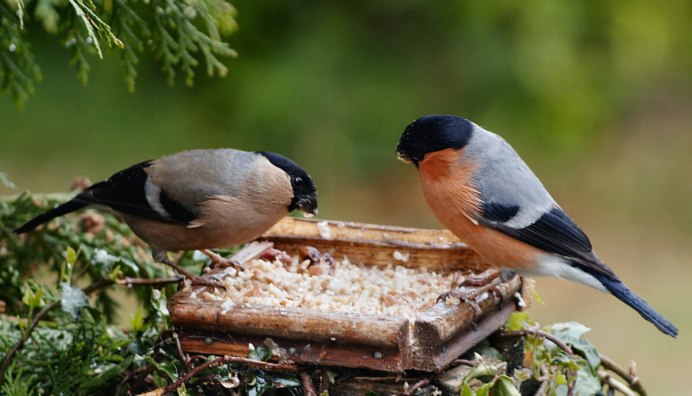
130	374
631	376
464	362
614	383
308	386
539	333
230	359
412	390
149	282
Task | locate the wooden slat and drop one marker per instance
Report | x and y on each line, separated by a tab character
306	352
371	244
291	323
437	337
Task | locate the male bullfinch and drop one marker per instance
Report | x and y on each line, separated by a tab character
198	199
481	190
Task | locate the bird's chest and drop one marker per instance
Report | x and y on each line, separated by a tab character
448	189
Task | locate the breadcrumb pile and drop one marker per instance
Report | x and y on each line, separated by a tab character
331	286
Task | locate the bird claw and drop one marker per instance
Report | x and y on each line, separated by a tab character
487	281
219	261
194	279
208	282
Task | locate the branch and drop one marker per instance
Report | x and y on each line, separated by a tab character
292	368
412	390
149	282
631	376
615	384
539	333
308	386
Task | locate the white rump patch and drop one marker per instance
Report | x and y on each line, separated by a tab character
554	266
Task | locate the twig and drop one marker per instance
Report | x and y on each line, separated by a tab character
539	333
613	383
308	386
463	362
412	390
230	359
179	349
142	377
631	377
130	374
149	282
35	321
571	385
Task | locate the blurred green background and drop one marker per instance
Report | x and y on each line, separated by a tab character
594	95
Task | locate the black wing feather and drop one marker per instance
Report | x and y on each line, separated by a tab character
125	192
556	233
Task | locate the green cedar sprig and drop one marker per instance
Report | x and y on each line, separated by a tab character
179	34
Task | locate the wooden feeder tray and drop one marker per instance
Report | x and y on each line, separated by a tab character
435	339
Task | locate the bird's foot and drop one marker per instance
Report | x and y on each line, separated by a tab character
195	280
218	261
473	287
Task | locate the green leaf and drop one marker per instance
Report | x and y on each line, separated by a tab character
483	371
282	380
505	387
572	333
484	390
33	299
260	353
588	383
516	321
71	256
137	320
537	297
466	390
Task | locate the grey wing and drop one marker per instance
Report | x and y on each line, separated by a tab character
514	202
505	182
194	176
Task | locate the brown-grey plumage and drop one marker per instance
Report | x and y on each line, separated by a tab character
199	199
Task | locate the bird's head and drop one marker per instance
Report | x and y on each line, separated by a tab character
304	189
433	133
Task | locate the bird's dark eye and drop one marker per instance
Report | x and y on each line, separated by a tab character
298	181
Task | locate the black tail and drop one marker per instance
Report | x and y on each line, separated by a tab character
619	290
67	207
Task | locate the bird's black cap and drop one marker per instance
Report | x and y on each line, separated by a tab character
304	189
433	133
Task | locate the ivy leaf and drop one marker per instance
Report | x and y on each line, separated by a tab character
572	333
588	383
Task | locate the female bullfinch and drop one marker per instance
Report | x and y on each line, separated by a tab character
199	199
481	190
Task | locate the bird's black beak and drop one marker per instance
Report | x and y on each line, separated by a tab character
403	158
308	205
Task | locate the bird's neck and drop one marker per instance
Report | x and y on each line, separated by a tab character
446	179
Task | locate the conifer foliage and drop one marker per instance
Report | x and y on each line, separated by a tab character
180	34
